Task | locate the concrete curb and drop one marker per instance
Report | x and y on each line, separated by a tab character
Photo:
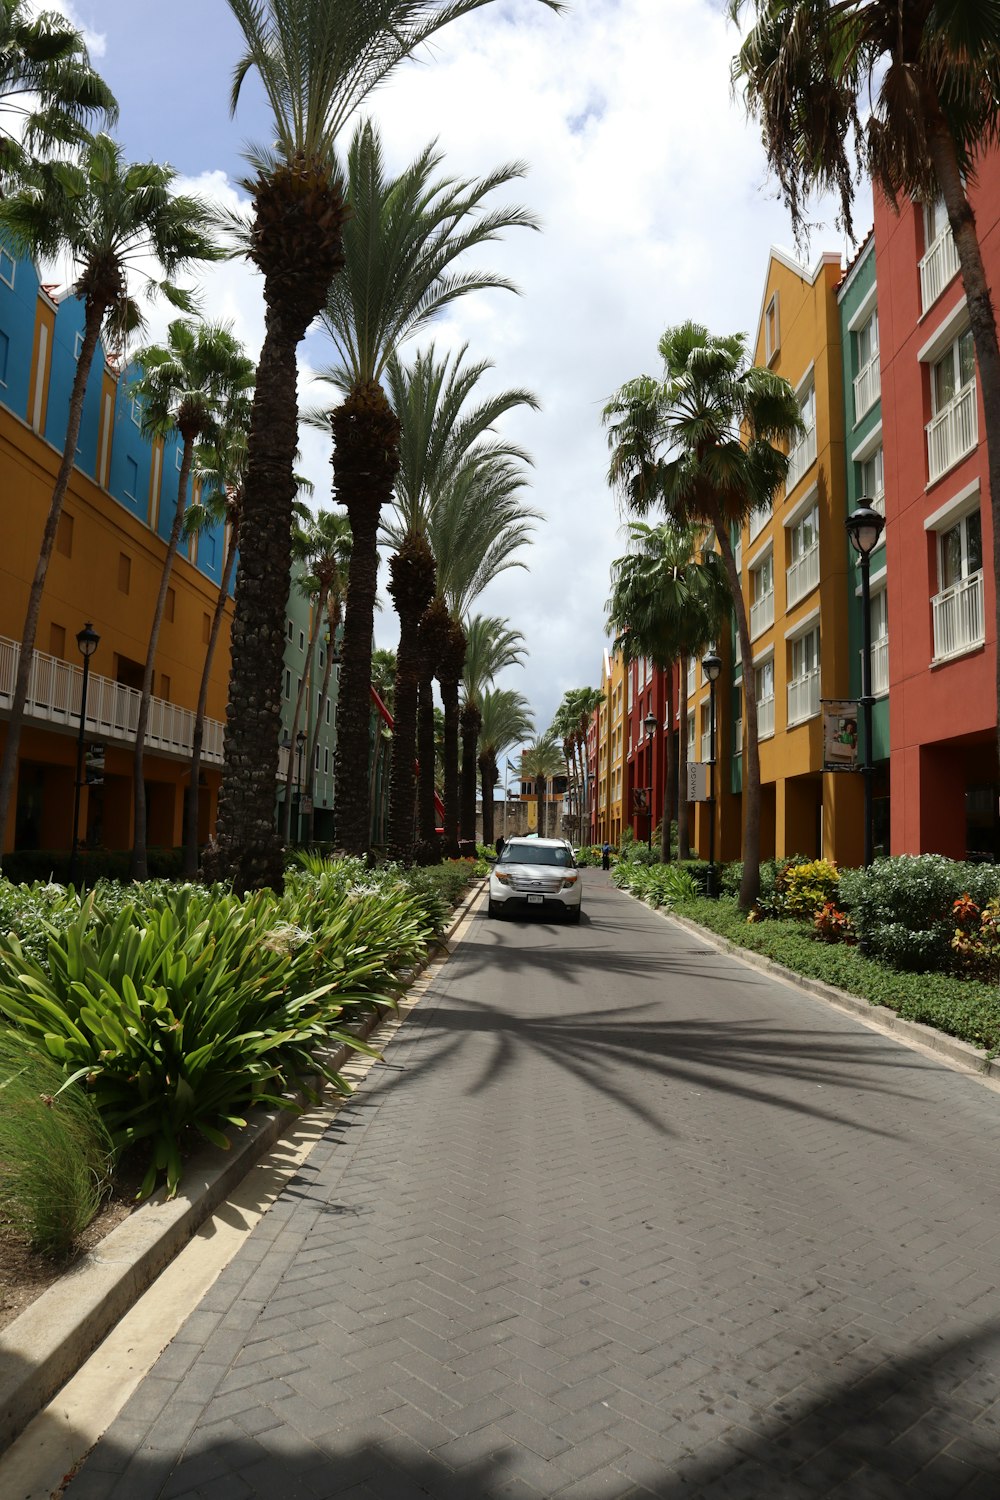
970	1058
47	1344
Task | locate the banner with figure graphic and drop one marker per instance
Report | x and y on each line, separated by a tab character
840	734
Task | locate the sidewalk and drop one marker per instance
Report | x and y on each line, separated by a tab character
618	1216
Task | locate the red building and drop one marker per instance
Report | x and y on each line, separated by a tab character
941	598
645	753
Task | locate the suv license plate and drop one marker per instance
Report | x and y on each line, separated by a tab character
535	899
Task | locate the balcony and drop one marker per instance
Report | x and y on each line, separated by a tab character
959	616
937	268
706	746
765	717
800	459
803	575
758	520
953	433
692	676
867	387
761	614
54	689
803	697
880	667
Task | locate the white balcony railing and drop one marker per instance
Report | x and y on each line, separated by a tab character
880	666
953	433
878	501
803	575
758	520
761	614
803	697
54	690
692	676
937	268
959	618
706	746
765	717
867	388
800	458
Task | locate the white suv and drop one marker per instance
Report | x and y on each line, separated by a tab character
539	874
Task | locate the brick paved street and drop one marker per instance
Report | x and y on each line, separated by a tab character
617	1217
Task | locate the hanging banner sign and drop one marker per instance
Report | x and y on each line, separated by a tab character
641	799
697	781
840	734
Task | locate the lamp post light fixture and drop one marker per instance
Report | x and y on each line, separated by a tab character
649	724
300	741
864	527
711	665
88	641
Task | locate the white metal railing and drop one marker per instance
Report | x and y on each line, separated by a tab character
706	746
765	717
880	666
692	676
803	697
54	691
953	433
867	387
800	458
959	618
761	614
758	520
878	501
937	268
803	574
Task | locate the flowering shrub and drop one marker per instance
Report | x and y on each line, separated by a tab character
833	925
976	940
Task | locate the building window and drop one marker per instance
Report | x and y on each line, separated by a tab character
940	261
328	707
135	411
57	641
803	454
326	762
178	457
4	357
77	346
803	681
291	630
762	596
867	381
803	568
131	478
316	758
288	683
871	479
170	605
124	572
878	616
64	535
772	330
953	430
958	607
6	268
960	550
302	640
763	677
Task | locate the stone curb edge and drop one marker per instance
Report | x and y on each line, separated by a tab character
963	1053
46	1345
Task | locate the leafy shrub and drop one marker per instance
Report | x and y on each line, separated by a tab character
976	940
808	886
902	907
659	884
833	925
55	1155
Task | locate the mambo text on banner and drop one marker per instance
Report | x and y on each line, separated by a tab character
840	734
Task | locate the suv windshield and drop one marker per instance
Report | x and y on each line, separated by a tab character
535	854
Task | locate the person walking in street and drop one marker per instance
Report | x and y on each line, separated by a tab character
606	856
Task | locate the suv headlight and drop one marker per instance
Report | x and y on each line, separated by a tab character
503	879
569	880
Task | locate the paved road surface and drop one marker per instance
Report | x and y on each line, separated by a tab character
618	1217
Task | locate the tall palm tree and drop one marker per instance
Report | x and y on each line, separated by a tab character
220	470
702	444
183	388
491	645
666	604
400	249
506	722
113	219
583	702
49	92
542	760
384	674
330	563
441	434
316	62
908	95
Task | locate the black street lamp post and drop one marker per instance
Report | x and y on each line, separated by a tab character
300	740
864	527
649	724
88	640
711	665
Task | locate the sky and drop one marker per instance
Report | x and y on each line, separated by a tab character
655	202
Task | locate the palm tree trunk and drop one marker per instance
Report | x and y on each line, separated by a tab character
249	845
93	318
669	771
412	578
449	698
198	737
750	882
365	464
139	869
331	623
290	768
488	780
426	809
981	318
470	721
683	813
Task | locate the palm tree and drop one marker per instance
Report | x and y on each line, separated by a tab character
667	604
441	435
400	246
183	388
491	645
910	94
701	444
384	674
565	729
506	721
582	702
220	470
113	219
542	760
47	86
330	562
